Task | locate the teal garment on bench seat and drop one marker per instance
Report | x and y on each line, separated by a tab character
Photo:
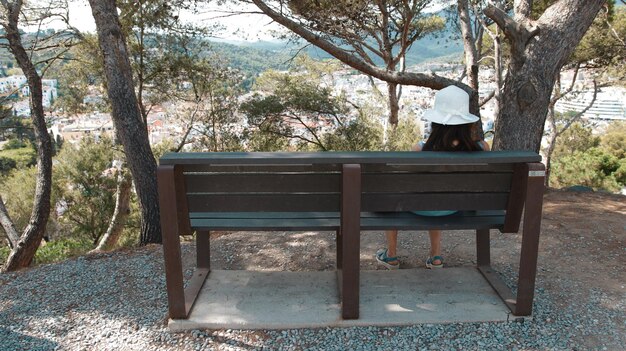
434	213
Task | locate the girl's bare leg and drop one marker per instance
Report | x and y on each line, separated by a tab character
435	245
392	242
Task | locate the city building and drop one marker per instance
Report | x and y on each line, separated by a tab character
610	104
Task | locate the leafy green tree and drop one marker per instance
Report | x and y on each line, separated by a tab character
369	36
603	47
34	55
24	154
614	139
404	136
13	127
577	138
259	140
594	168
18	191
155	32
580	158
80	72
13	144
360	134
297	104
207	92
88	186
143	46
6	165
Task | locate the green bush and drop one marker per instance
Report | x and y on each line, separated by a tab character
87	188
23	157
62	249
595	168
6	165
581	158
15	144
4	253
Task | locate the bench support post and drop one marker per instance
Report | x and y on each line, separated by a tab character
339	243
530	239
349	240
203	249
530	186
167	180
483	250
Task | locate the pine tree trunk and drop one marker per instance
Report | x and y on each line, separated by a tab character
539	50
122	209
23	253
469	44
394	106
471	65
127	116
7	224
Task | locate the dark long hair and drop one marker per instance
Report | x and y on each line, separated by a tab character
443	137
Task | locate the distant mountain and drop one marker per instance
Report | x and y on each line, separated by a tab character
431	48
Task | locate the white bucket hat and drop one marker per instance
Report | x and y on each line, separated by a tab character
451	107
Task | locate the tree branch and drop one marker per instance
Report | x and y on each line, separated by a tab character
486	99
7	224
310	130
407	78
518	33
581	113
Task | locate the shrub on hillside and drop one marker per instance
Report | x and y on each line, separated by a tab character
62	249
88	187
6	165
23	157
581	158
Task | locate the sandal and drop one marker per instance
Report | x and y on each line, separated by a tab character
431	265
388	262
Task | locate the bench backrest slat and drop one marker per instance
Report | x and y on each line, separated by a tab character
245	168
438	168
390	202
268	202
437	187
259	182
263	188
436	182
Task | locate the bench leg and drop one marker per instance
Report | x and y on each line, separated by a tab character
483	250
174	275
350	238
530	240
203	249
522	303
166	176
339	244
201	272
483	263
349	275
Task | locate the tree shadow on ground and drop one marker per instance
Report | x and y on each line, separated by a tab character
12	340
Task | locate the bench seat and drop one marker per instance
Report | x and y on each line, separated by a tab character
265	221
410	221
288	221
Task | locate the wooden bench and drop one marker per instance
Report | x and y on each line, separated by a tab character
347	192
255	192
490	190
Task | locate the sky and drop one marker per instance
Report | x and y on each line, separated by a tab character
248	27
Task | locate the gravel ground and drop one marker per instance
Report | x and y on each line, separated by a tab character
117	301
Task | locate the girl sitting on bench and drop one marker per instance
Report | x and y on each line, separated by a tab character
451	130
